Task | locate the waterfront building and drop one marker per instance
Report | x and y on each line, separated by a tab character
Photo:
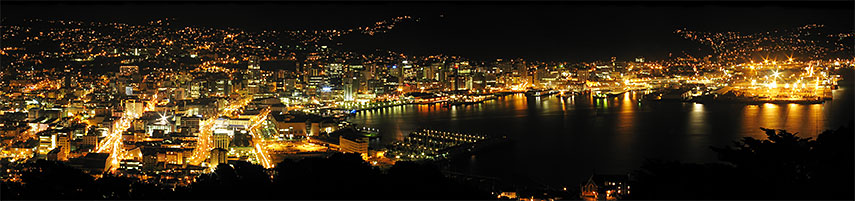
353	144
290	126
606	187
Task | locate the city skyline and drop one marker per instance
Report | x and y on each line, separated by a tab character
427	100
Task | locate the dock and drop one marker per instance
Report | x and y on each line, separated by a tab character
428	144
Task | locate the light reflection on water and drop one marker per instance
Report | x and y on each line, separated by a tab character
561	141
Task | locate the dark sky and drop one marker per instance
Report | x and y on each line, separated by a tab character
574	31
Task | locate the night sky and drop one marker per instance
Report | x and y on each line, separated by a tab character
567	31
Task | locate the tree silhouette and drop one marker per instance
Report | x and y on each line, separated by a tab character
52	180
113	187
406	179
783	166
777	166
347	176
340	176
660	179
243	181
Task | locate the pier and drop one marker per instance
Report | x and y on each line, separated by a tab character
433	144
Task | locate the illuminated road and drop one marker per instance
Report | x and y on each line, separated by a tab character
206	129
258	141
113	142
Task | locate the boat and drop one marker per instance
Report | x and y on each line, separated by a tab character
615	93
607	93
537	92
533	93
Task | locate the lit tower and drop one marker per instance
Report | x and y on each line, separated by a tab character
253	78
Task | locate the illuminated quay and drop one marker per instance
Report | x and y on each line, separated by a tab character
433	144
788	81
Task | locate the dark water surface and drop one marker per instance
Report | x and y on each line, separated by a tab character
561	141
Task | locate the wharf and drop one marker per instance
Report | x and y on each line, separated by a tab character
428	144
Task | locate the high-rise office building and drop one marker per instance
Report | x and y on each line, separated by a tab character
221	140
351	87
253	76
218	156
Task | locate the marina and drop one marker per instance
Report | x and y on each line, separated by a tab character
426	144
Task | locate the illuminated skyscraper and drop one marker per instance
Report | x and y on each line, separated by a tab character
221	140
351	86
253	76
316	81
218	156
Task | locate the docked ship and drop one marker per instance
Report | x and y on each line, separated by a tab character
615	93
608	93
538	92
566	93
